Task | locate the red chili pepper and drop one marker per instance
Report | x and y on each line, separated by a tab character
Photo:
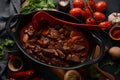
21	74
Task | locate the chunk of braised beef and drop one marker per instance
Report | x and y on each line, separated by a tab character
37	49
59	62
61	30
75	33
31	46
58	46
60	53
73	58
66	48
77	47
75	39
45	40
25	38
43	58
29	51
50	52
30	30
51	45
53	33
67	33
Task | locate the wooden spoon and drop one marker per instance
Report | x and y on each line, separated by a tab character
108	75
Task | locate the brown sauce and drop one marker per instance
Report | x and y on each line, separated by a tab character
56	45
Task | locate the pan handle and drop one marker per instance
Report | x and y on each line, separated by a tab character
100	43
10	24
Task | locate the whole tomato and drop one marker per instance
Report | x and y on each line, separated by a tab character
100	6
99	16
91	4
86	13
90	21
76	12
78	3
106	24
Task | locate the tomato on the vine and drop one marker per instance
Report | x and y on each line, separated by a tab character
91	4
86	13
99	16
100	6
90	21
106	24
76	12
78	3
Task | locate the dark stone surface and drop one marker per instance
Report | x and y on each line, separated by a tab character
11	7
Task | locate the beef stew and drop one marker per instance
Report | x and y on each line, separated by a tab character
58	45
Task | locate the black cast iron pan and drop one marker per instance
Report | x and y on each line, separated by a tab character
21	19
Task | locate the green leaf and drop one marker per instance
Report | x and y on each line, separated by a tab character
110	63
117	71
8	42
3	46
35	5
93	72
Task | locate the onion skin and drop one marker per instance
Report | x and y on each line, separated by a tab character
115	52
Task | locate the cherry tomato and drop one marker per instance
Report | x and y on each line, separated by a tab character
90	21
86	13
78	3
91	3
106	24
100	6
76	12
99	16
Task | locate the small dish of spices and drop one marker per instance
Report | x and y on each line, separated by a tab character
114	32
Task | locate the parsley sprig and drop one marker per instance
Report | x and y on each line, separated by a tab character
34	5
4	46
113	63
